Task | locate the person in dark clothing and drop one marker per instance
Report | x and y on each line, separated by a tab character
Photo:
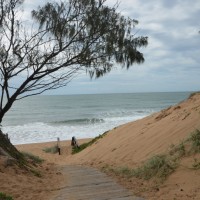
74	143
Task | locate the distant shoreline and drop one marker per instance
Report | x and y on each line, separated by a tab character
49	143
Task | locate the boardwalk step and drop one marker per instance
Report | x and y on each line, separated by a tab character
85	183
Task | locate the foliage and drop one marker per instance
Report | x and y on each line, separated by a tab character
35	159
36	173
181	149
125	172
87	144
67	38
195	141
30	165
161	166
3	196
189	146
158	166
53	149
6	145
178	151
196	164
20	157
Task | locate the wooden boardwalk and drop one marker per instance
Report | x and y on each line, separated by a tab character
85	183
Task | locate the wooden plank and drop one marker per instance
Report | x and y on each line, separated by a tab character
85	183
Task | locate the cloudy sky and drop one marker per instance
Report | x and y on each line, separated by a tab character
172	58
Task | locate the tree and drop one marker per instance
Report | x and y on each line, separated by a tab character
66	38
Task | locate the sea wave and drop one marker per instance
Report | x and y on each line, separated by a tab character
78	121
64	129
43	132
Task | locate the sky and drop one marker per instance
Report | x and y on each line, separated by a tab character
172	57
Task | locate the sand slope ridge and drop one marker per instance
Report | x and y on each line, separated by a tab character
135	142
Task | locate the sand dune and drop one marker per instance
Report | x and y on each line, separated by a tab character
135	142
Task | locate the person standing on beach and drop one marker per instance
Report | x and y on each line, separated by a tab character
74	143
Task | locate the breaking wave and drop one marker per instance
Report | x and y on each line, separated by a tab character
78	121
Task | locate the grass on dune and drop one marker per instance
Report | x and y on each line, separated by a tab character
87	144
158	166
35	159
4	196
161	166
195	142
53	149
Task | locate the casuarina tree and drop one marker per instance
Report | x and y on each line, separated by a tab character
62	39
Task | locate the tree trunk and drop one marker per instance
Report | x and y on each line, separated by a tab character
6	108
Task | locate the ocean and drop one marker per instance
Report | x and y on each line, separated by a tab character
44	118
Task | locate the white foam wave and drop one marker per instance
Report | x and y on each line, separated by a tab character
43	132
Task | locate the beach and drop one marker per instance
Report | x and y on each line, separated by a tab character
127	146
38	149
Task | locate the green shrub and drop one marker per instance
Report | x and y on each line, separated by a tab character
35	159
9	148
36	173
52	150
195	140
178	151
87	144
161	166
3	196
181	149
158	166
125	172
80	148
196	164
